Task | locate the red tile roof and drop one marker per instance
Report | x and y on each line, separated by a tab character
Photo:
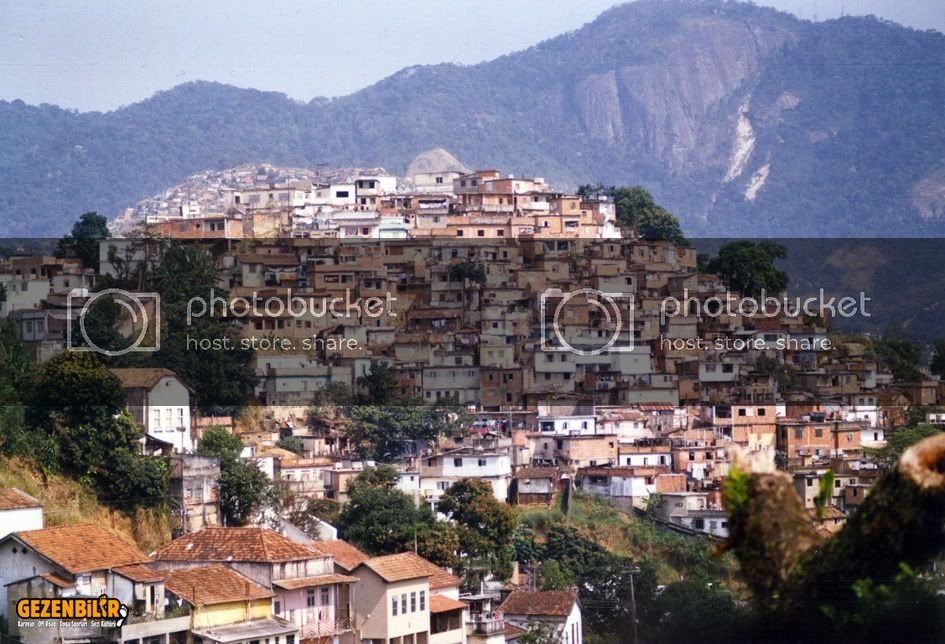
138	572
317	580
235	544
214	584
407	565
82	548
346	555
141	377
58	581
442	604
657	407
555	603
14	499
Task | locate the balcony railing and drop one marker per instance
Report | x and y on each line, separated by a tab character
486	623
323	628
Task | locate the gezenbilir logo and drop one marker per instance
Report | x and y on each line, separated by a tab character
78	608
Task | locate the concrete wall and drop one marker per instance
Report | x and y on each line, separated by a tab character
19	520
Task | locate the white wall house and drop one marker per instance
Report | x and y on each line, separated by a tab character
23	294
438	472
19	511
160	402
558	609
568	425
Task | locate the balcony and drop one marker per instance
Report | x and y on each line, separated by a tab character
324	628
486	623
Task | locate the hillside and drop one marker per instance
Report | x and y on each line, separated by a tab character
66	501
741	119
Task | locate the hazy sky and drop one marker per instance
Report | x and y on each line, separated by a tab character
99	54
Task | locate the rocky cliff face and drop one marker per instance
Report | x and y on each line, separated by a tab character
669	108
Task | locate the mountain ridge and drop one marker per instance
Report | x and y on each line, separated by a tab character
743	120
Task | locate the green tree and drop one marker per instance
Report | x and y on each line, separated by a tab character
632	205
383	476
898	441
380	384
896	353
84	430
83	242
653	503
218	442
378	518
387	431
76	387
695	606
17	375
439	543
291	443
485	525
305	513
334	393
244	491
553	576
130	479
659	225
244	488
524	547
636	209
937	364
749	267
222	378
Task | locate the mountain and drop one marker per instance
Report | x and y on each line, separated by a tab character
740	119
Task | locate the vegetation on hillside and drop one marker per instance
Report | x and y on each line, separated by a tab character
68	501
595	546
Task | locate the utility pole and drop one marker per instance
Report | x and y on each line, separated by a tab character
632	570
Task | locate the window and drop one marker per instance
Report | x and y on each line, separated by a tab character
810	482
413	602
310	597
742	412
276	607
459	233
423	600
761	411
439	179
290	639
457	462
798	433
393	605
403	603
325	595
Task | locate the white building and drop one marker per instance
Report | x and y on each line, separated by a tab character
439	472
19	511
160	403
559	609
22	294
434	182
